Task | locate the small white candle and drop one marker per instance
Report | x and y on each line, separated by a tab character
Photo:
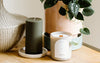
60	46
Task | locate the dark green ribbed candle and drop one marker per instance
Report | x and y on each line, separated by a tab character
34	27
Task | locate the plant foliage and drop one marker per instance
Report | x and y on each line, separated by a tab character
62	11
85	31
73	9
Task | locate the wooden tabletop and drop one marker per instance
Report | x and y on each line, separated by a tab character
83	55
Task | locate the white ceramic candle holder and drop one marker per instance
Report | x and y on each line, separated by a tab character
60	45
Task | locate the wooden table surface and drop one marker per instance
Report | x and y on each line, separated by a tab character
83	55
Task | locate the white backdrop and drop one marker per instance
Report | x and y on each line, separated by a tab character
93	23
34	8
29	8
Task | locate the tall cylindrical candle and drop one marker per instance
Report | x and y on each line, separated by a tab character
34	36
60	46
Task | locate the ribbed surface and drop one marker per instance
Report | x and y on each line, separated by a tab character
9	36
11	28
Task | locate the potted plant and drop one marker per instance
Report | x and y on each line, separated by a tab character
67	15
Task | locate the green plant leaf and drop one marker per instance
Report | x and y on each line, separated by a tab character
88	11
85	31
70	15
74	1
84	3
73	8
62	11
66	1
79	35
49	3
90	0
79	16
41	0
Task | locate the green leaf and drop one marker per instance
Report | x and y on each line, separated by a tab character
73	8
85	31
88	11
62	11
84	3
49	3
70	15
90	0
66	1
74	1
41	0
79	35
79	16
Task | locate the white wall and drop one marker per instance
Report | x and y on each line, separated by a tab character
33	8
93	23
29	8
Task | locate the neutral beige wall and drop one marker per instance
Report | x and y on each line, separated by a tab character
33	8
29	8
93	23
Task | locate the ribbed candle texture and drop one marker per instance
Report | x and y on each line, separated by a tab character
34	36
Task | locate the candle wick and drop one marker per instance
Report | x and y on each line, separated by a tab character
60	35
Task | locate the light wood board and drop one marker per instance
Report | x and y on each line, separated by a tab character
83	55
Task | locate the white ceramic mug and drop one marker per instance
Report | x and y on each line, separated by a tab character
60	45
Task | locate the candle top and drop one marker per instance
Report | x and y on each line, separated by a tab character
60	34
34	19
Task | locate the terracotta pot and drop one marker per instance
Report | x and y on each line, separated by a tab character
56	22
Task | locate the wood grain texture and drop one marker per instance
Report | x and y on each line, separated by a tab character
83	55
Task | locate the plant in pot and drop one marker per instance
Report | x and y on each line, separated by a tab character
67	16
